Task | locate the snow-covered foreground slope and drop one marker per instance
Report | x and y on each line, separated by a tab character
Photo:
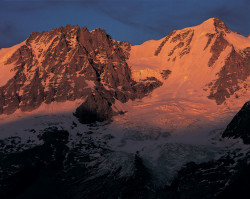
108	153
164	146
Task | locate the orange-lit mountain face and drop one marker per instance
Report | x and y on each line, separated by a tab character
188	81
201	75
72	63
67	64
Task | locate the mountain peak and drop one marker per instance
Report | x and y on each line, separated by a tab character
217	24
220	25
210	21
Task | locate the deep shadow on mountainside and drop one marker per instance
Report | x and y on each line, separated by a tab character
53	170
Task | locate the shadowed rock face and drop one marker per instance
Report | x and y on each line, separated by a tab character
239	127
95	108
69	63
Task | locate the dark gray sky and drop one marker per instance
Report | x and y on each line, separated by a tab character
131	20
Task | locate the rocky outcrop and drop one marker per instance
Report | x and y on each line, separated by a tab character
239	127
158	50
165	74
217	48
220	26
184	40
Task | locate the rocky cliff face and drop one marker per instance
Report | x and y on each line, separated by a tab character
70	63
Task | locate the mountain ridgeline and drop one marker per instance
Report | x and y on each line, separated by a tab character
72	63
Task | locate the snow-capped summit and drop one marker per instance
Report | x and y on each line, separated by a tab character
208	59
